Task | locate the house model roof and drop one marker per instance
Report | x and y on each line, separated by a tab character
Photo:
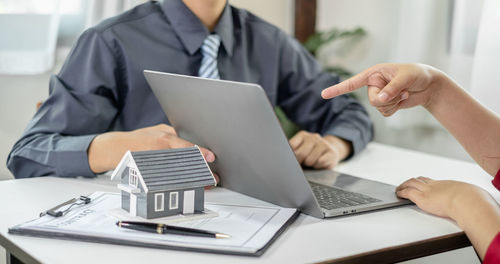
170	169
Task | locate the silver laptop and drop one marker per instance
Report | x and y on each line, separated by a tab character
237	122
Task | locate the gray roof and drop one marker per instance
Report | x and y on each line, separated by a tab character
173	168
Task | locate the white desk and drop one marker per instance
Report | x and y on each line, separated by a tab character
382	236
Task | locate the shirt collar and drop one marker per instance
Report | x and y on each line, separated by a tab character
191	30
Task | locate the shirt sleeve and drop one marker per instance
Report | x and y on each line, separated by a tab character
82	103
493	253
496	180
301	82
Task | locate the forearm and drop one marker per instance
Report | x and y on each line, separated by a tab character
50	155
105	149
474	126
478	214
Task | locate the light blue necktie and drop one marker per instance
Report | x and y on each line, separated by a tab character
209	50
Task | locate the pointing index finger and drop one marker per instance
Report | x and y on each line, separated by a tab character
347	86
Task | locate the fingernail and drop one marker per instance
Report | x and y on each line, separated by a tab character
210	157
404	96
383	96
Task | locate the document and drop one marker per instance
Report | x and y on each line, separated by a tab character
252	229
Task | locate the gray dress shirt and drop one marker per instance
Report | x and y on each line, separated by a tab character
101	86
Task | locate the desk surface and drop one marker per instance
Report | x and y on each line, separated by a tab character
385	235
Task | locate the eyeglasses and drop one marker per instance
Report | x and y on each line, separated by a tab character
82	200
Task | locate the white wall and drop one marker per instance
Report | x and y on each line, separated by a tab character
398	31
378	18
485	77
277	12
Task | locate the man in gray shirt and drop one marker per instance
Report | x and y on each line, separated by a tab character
100	105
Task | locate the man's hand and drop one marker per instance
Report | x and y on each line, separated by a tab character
106	150
318	152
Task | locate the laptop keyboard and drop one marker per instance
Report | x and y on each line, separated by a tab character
333	198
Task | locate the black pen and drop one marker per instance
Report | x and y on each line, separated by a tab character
168	229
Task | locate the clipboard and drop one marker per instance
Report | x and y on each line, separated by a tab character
252	228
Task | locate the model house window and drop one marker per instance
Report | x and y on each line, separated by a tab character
174	201
133	178
159	202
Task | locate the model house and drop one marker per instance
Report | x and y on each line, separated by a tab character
163	182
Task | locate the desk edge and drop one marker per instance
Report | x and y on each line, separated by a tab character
407	251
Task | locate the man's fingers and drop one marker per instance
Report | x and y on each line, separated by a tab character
327	161
209	155
300	146
316	153
357	81
177	142
304	150
166	128
296	140
217	178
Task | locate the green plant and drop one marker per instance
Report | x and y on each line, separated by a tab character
289	127
319	39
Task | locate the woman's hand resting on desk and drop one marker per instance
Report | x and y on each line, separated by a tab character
474	210
107	149
442	198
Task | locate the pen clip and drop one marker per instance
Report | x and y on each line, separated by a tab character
55	212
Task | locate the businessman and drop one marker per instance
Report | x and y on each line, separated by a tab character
101	106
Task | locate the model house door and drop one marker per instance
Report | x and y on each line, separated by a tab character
133	204
188	202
